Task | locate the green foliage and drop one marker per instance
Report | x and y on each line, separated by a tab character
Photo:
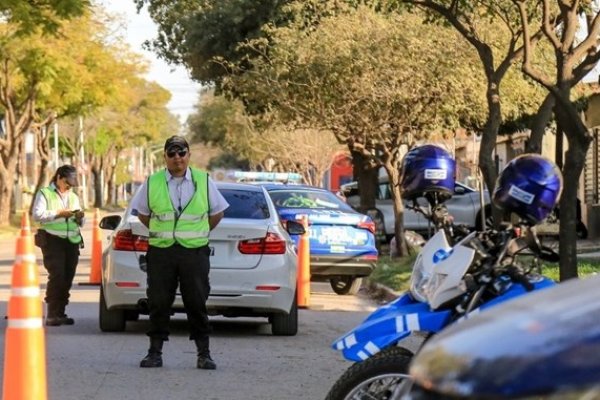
171	16
30	15
216	118
368	73
228	161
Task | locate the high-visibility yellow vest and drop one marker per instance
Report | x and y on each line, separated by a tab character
66	228
191	228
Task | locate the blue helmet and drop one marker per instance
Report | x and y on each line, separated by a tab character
427	169
530	186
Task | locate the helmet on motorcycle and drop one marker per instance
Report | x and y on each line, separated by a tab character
530	186
427	169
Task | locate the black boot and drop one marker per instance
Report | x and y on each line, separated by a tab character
204	360
64	318
53	315
154	357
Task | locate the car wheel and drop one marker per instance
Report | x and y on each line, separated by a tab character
110	320
345	285
285	324
131	315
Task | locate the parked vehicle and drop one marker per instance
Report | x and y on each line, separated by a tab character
464	206
551	226
452	281
253	264
342	241
545	346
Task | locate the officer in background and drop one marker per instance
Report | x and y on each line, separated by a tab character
180	206
58	210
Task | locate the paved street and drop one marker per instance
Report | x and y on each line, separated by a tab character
84	363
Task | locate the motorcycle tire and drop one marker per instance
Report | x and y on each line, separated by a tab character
373	378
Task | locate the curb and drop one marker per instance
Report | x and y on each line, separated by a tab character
380	293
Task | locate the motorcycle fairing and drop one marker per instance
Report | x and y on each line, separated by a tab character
394	321
389	324
517	290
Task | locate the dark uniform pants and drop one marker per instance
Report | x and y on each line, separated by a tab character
60	260
189	268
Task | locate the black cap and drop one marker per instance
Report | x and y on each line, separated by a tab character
69	173
176	142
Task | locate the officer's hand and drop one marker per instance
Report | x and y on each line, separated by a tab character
65	213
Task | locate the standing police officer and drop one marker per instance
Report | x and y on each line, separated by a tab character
180	206
58	210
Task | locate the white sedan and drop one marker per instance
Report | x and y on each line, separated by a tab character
253	264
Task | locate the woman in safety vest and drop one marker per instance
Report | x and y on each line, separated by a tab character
58	210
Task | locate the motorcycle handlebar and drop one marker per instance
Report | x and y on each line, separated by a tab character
517	276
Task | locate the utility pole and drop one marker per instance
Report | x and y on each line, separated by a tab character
55	145
82	165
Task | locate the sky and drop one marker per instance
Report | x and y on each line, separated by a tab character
140	27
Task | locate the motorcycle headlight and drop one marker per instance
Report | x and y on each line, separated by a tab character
419	280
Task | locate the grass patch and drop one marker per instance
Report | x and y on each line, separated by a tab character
395	272
584	268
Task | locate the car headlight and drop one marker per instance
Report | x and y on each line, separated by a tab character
419	280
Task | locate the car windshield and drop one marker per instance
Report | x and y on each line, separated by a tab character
302	198
245	204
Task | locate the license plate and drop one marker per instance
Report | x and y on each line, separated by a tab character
337	249
212	250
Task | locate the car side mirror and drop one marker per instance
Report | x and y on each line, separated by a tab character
110	222
295	228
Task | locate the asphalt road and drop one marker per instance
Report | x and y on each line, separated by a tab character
84	363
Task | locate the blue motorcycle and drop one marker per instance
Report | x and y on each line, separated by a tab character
453	278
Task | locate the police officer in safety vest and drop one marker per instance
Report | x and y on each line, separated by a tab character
180	206
58	210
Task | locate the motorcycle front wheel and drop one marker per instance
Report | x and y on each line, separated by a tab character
377	378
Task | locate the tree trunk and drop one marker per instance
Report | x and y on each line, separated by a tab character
43	151
394	181
538	127
6	189
488	145
367	179
96	173
579	142
40	181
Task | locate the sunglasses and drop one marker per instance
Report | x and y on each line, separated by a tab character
180	153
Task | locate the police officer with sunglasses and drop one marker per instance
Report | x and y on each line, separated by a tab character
180	206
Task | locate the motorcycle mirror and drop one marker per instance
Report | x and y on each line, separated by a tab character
533	242
516	245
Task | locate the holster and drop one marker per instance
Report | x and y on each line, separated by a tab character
40	238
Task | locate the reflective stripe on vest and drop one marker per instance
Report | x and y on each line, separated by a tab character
61	227
191	228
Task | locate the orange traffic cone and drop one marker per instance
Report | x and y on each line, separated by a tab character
303	278
96	263
25	347
25	225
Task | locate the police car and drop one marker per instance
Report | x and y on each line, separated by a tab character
342	241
